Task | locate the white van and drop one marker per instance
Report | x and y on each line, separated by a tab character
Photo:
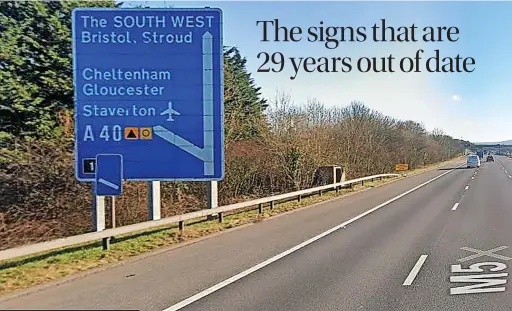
473	161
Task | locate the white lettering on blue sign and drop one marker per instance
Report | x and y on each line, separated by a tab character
91	22
156	37
192	21
94	89
150	21
147	21
106	132
112	37
88	133
126	23
133	110
117	74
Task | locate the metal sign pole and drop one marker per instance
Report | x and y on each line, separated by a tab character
212	196
98	210
107	241
154	205
113	212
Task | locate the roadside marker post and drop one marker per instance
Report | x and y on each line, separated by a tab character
156	100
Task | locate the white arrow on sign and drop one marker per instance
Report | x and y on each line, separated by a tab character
205	154
108	183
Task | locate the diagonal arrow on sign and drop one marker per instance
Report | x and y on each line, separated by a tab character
108	183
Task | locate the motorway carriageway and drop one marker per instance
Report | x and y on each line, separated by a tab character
435	241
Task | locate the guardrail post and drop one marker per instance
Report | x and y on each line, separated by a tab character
260	208
181	226
154	201
362	182
299	198
271	204
320	193
221	217
105	242
98	210
337	189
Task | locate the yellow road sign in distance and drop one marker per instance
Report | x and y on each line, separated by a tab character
401	167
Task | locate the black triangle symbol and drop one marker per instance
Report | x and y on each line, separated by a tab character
131	134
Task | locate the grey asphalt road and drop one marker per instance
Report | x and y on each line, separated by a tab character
505	164
403	256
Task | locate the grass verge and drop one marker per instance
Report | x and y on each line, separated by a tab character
26	272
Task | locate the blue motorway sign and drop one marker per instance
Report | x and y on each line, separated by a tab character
149	86
109	174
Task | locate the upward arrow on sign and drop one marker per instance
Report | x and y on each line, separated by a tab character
205	154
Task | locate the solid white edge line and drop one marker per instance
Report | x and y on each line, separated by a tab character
455	206
267	262
414	272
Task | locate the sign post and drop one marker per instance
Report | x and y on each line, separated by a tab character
212	197
154	200
109	182
98	210
148	87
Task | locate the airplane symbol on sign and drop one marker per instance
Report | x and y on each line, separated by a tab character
169	111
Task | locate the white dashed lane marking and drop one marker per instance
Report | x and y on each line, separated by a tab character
414	272
455	206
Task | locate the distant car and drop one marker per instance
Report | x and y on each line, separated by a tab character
490	158
473	161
